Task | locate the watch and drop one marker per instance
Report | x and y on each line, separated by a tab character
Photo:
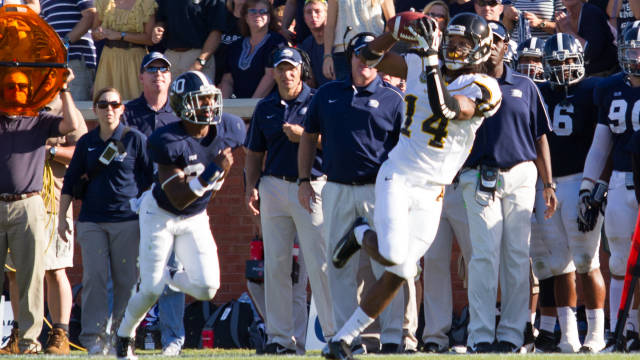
52	152
201	61
551	186
301	180
122	35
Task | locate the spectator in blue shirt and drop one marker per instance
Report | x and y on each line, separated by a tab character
249	72
114	161
315	16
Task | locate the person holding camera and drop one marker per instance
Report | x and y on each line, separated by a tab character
109	167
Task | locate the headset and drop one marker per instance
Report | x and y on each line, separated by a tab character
306	61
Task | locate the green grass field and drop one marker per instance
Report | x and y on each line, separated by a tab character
245	354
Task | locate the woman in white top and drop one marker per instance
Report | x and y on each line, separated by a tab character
346	18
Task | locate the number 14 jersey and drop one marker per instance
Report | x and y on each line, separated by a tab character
431	148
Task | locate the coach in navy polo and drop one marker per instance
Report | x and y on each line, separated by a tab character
275	129
514	144
359	119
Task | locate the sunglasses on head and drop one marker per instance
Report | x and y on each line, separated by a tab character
257	11
155	69
103	104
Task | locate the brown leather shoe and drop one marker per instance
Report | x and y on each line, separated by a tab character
12	346
57	343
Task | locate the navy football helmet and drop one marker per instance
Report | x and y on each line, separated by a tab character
474	28
195	99
533	47
629	51
558	50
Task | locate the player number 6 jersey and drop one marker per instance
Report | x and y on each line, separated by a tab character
433	148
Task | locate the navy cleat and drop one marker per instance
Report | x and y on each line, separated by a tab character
347	246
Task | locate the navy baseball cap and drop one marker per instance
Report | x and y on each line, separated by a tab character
290	55
499	30
151	57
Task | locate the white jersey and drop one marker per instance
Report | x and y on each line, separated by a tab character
431	148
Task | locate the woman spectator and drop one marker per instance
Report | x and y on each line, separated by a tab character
248	69
126	26
589	24
111	161
539	13
346	18
439	11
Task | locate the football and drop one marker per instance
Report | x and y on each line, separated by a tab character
399	25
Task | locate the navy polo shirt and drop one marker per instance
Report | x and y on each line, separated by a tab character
189	22
171	145
126	177
509	137
359	127
265	133
139	115
574	117
600	52
316	56
247	68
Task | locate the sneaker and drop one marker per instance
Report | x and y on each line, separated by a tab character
277	349
172	349
57	343
12	344
481	348
505	347
433	348
347	246
125	348
632	341
529	339
546	342
390	348
338	350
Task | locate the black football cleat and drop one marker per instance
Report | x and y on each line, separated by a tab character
338	350
546	342
125	348
481	348
347	246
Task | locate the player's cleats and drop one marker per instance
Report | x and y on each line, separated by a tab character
506	347
433	348
390	348
125	348
529	345
632	340
546	342
481	348
347	246
338	350
277	349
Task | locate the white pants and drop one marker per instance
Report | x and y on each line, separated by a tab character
500	247
162	232
406	219
282	219
438	303
560	248
619	222
341	204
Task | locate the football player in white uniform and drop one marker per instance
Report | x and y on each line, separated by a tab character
439	128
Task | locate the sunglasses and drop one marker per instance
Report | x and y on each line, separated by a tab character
155	69
257	11
436	15
103	104
487	2
21	86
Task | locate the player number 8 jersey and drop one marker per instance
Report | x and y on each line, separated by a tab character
433	148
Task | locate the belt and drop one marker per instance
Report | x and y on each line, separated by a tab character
121	44
364	181
181	49
17	197
502	169
293	178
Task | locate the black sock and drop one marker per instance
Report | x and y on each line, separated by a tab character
64	327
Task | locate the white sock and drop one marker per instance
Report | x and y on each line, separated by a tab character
568	325
548	323
359	232
615	294
632	320
595	328
354	326
533	318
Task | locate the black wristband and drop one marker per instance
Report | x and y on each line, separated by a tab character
305	179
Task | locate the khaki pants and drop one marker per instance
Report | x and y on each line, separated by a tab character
22	228
181	61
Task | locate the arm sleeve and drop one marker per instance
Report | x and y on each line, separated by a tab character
598	152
